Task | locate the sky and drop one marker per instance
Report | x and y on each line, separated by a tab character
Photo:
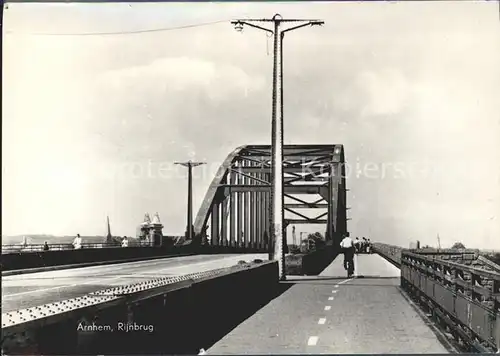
89	119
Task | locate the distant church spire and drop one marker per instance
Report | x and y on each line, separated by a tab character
109	237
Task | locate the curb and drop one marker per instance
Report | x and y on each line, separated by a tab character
447	344
89	264
388	259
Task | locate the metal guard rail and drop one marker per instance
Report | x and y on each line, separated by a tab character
464	298
393	253
390	252
30	248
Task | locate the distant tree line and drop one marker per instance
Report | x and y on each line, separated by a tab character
495	257
455	246
458	245
313	242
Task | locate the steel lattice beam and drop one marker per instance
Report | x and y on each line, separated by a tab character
236	207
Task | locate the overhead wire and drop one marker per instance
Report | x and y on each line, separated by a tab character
121	32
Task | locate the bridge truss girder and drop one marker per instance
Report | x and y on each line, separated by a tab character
236	208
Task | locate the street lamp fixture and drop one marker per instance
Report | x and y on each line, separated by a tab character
238	27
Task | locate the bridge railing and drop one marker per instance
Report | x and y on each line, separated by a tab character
463	297
66	246
390	252
393	253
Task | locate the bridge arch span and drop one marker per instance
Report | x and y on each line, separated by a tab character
236	208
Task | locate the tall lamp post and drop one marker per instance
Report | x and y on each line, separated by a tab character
277	196
189	164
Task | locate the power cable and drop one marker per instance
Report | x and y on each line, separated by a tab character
123	32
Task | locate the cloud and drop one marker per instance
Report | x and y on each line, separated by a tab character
178	99
181	75
395	83
386	92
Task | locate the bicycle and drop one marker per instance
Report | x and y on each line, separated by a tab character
350	268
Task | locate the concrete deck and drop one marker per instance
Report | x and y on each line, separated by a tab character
29	290
332	314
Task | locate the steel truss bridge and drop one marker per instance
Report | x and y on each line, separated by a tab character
236	208
390	304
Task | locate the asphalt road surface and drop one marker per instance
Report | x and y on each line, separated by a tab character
332	314
33	289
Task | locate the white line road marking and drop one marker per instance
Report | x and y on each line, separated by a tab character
330	298
328	307
334	291
313	340
336	286
347	280
322	321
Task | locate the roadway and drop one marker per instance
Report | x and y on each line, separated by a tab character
33	289
331	314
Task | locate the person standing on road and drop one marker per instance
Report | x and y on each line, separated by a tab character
364	243
77	242
348	248
357	245
125	241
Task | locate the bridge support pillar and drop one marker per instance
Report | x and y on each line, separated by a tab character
232	208
223	220
258	218
239	224
246	211
267	213
253	208
335	204
215	225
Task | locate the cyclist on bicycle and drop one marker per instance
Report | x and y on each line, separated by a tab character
348	249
